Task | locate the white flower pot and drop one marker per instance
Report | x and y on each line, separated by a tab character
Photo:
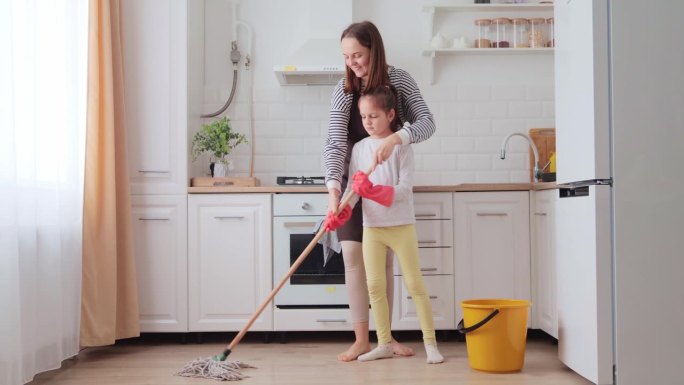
221	169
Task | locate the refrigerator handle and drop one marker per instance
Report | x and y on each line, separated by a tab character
581	188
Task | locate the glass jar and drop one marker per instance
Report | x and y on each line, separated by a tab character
501	27
549	31
520	38
482	40
535	34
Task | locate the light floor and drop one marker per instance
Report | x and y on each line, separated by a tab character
304	358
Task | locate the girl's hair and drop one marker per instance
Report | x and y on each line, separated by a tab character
367	34
385	97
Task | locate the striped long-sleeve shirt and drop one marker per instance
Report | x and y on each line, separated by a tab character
411	108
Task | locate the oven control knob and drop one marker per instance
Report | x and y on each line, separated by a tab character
305	206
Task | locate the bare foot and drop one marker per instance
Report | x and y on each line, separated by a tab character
401	350
354	351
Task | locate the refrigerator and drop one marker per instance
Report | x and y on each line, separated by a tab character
619	70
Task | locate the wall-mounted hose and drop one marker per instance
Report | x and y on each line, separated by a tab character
235	58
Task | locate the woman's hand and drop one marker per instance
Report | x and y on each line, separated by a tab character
385	150
333	199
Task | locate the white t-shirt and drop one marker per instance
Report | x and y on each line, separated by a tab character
396	171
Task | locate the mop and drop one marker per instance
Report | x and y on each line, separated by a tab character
215	367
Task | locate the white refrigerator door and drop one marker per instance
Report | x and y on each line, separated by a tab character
648	125
582	97
584	284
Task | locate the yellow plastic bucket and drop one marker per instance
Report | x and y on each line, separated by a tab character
495	331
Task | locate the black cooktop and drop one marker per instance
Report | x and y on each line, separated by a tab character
301	180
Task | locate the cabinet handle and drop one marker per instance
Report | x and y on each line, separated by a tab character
431	242
428	269
153	219
305	206
431	297
153	172
540	214
299	224
492	214
341	320
426	215
228	217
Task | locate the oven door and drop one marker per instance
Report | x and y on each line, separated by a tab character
316	283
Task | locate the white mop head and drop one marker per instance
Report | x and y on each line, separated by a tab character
215	370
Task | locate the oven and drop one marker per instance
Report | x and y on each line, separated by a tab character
316	284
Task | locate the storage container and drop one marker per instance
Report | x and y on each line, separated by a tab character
482	39
549	32
501	29
536	35
520	30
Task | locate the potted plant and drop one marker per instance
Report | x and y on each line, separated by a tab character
218	139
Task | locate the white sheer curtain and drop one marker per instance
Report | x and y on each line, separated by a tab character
43	47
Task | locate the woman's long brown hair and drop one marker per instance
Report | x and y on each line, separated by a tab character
367	34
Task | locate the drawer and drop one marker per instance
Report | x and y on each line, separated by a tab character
313	320
433	205
435	233
300	204
433	261
441	291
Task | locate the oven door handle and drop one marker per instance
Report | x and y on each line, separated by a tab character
308	225
339	320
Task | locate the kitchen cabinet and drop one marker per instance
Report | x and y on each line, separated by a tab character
457	20
434	225
229	261
543	238
160	246
491	246
155	94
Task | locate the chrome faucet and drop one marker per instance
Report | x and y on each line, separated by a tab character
537	171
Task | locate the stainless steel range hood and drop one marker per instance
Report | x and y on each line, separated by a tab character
316	62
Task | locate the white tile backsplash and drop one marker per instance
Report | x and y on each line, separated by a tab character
476	102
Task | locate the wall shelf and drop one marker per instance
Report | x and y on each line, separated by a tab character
460	14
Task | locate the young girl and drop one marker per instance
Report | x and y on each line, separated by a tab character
388	220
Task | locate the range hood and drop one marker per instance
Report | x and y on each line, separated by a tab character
316	62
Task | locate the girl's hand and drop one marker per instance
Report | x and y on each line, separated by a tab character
385	150
333	199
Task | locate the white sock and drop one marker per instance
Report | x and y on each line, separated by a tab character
381	351
433	354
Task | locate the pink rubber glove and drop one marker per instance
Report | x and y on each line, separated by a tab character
361	184
333	221
381	194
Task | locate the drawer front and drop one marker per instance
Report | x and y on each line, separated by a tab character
300	204
435	233
433	261
433	205
441	291
314	320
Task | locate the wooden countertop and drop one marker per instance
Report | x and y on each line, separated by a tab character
463	187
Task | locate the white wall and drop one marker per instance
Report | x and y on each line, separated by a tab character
476	100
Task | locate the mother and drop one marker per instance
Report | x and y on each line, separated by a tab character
366	68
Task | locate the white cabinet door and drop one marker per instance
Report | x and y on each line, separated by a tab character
229	238
154	64
491	246
160	246
544	261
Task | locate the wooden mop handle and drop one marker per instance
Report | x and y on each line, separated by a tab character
289	273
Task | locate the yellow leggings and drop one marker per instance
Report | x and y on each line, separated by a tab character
404	242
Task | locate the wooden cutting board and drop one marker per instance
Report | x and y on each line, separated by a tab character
545	140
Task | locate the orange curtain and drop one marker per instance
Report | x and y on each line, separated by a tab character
109	299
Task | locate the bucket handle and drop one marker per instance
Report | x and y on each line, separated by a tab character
464	330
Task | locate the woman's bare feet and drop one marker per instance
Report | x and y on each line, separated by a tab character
401	350
354	351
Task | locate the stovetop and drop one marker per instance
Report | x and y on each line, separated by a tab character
301	180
